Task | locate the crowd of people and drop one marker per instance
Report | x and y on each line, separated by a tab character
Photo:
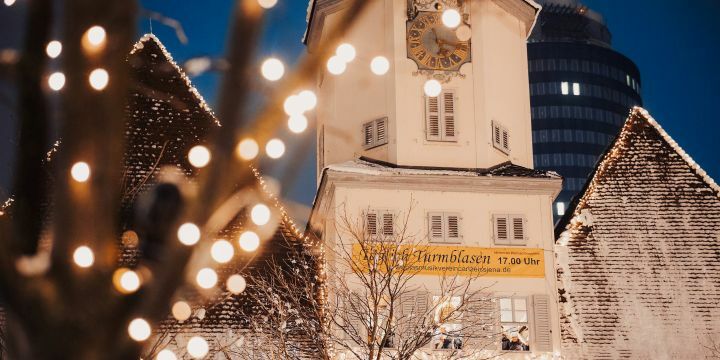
516	341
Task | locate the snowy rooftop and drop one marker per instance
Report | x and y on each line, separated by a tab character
638	253
370	166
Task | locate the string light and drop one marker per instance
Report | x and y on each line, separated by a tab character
166	354
260	214
463	33
236	284
297	123
99	79
346	52
272	69
181	311
199	156
293	105
379	65
249	241
80	171
267	4
126	281
247	149
139	330
222	251
197	347
451	18
432	88
9	2
275	148
56	81
53	49
95	35
188	234
83	257
308	99
336	65
206	278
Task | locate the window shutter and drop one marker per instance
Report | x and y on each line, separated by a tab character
448	114
501	229
357	325
435	221
421	303
371	223
505	140
453	227
481	322
496	135
405	312
518	229
368	134
388	223
541	319
381	127
432	118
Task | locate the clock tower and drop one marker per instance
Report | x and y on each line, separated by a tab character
443	125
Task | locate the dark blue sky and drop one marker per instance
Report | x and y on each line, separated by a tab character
673	43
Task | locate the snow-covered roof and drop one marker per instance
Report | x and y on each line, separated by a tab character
638	253
369	166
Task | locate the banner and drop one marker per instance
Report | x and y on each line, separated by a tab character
457	260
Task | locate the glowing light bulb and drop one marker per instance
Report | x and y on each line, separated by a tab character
463	33
249	241
379	65
260	214
297	123
222	251
346	52
99	79
56	81
293	105
9	2
336	65
197	347
267	4
199	156
80	171
432	88
247	149
83	257
139	329
126	280
166	354
181	311
275	148
53	49
95	35
206	278
188	234
308	99
272	69
236	284
451	18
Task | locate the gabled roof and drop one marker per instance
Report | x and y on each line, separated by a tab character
638	253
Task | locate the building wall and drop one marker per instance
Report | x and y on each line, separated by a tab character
492	87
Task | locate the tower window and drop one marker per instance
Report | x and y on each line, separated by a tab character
560	208
501	137
565	88
509	230
444	227
440	118
576	89
374	133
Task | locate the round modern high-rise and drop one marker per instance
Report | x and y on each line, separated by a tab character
581	92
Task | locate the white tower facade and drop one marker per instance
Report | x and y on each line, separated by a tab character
455	168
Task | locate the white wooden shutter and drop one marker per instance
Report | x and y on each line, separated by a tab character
541	319
497	136
506	140
448	116
432	118
453	227
368	134
388	223
357	325
381	131
435	225
405	312
422	299
518	229
501	225
371	223
480	321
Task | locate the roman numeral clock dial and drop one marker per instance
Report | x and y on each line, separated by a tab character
434	46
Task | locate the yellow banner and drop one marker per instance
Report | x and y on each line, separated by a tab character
458	260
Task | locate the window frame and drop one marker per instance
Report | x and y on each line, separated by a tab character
379	223
445	227
514	322
500	137
442	114
374	125
510	220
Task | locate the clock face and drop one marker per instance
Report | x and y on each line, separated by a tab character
434	46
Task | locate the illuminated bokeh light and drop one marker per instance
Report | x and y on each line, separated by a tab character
222	251
432	88
346	52
56	81
297	123
53	49
247	149
260	214
272	69
451	18
249	241
197	347
139	329
379	65
236	284
275	148
206	278
84	257
99	79
181	311
199	156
